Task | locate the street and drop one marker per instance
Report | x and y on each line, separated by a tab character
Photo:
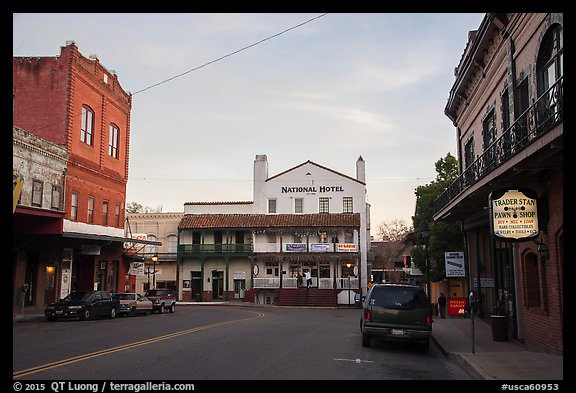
219	343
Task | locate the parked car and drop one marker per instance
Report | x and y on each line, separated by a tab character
133	303
83	305
396	312
162	299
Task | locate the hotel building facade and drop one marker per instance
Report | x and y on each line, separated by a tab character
309	218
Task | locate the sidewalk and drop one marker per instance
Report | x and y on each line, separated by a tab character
492	360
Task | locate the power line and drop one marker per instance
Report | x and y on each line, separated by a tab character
203	65
229	54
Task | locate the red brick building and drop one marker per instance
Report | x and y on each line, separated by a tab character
507	106
75	102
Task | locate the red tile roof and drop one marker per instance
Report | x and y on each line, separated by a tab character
320	220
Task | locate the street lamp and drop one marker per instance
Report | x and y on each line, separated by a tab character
348	265
154	259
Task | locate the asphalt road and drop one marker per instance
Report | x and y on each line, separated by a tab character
198	343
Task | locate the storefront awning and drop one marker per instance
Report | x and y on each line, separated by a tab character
109	238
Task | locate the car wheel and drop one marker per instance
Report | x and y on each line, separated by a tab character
133	311
85	315
173	307
366	340
113	313
161	309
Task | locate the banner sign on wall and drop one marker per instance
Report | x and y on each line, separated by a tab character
514	214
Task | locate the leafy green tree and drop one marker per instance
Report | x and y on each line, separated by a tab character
443	236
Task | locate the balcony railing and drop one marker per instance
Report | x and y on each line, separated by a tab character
214	248
538	119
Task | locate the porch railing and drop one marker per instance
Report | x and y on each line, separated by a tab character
321	283
535	121
214	248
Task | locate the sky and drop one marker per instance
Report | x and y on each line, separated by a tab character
213	90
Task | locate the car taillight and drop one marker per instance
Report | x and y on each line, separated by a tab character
428	319
367	315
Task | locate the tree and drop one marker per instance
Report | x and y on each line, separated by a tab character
443	236
135	207
393	230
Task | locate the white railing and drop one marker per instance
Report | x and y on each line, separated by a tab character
267	282
326	283
347	283
291	282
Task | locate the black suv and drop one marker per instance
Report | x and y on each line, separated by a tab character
396	312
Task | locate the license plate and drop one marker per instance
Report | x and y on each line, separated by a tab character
59	312
398	332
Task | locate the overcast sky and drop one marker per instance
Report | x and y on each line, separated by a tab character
343	85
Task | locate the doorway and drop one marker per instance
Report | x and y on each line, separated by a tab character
31	277
217	284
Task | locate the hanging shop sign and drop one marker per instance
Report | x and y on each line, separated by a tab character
514	214
455	264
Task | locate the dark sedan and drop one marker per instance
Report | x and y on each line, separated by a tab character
83	305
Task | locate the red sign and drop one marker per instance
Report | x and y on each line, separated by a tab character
456	306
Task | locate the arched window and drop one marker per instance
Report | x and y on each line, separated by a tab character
150	249
172	243
550	58
87	126
113	140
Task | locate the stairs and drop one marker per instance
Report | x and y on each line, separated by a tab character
307	297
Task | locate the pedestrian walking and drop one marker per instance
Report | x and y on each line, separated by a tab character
299	280
308	279
442	305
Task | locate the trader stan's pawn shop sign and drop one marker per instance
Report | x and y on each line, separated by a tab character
514	214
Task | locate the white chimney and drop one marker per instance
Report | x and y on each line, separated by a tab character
361	170
260	176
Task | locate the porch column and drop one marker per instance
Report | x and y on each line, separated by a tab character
227	258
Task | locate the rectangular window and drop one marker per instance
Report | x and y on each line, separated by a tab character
113	141
37	190
90	210
87	127
117	216
469	153
297	238
298	205
348	236
104	212
271	237
56	197
347	205
324	205
74	207
271	205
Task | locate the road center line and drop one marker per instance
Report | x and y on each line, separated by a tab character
63	362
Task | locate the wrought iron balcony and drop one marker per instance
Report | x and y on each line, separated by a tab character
538	119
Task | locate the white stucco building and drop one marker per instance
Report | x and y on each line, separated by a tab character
308	218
